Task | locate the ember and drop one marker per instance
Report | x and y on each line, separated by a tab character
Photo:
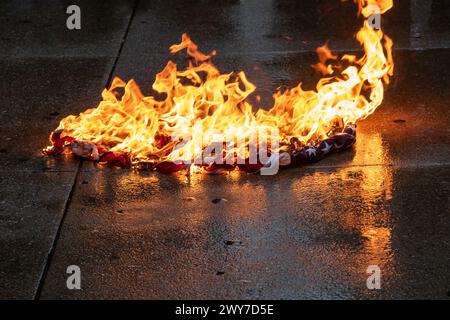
206	123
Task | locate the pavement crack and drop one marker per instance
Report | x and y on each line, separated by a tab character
51	252
122	42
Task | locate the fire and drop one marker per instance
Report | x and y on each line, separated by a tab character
203	107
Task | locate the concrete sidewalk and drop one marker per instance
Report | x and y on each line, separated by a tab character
305	233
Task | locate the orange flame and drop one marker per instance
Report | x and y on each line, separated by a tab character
203	106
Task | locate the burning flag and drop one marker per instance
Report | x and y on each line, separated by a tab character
205	120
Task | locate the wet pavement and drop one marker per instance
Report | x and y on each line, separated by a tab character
307	233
